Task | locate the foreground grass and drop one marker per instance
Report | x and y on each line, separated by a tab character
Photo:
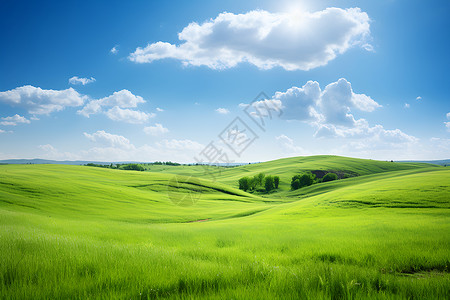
72	241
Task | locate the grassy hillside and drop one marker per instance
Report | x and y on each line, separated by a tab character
79	232
288	167
130	196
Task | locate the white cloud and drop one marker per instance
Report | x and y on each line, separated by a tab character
159	109
118	104
222	111
181	145
14	120
108	139
122	99
128	115
448	115
447	125
115	49
293	41
287	145
80	80
156	130
407	105
419	98
330	112
39	101
51	152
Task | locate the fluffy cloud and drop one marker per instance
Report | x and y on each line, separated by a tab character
287	145
156	130
128	115
181	145
222	111
293	41
39	101
419	98
114	50
159	109
80	80
330	111
14	120
109	139
118	104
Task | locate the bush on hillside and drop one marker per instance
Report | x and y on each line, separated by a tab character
302	180
329	177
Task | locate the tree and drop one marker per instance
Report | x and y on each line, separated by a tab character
329	177
295	184
244	183
259	179
304	179
276	181
269	183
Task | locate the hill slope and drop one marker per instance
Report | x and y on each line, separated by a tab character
73	232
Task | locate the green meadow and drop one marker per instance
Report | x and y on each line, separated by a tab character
79	232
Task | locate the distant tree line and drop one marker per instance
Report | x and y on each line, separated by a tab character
259	182
135	167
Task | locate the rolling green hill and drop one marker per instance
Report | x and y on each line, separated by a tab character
288	167
74	232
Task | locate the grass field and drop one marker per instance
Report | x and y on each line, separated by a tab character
74	232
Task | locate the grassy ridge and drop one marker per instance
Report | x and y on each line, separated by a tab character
79	232
288	167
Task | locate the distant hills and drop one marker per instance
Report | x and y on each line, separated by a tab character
38	161
441	162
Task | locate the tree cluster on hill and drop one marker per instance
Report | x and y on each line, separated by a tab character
167	163
135	167
259	182
307	178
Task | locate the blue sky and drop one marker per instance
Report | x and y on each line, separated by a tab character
160	80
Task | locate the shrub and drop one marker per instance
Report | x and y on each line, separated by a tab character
329	177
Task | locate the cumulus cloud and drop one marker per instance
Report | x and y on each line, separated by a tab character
181	145
108	139
156	130
128	115
81	80
419	98
331	112
222	111
159	109
287	145
39	101
51	152
117	106
114	50
293	41
14	120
